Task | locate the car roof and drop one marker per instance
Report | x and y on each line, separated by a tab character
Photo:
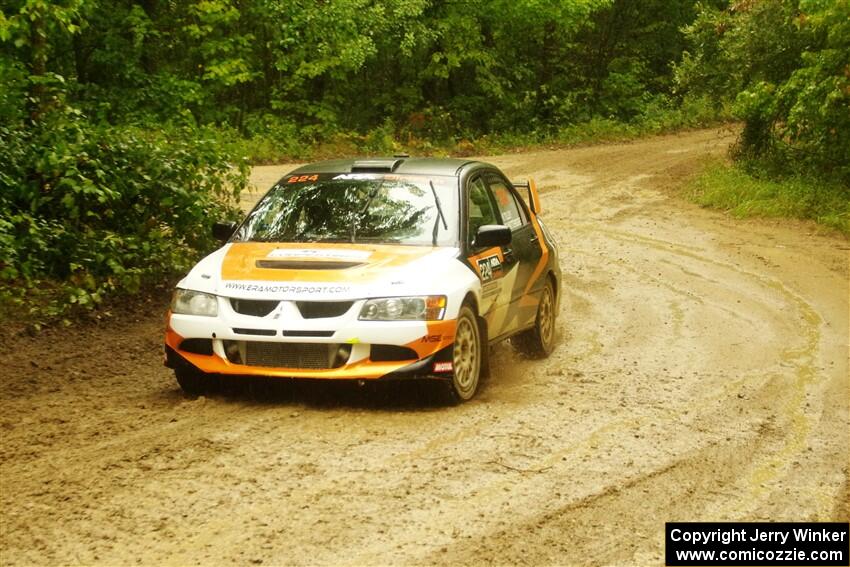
394	165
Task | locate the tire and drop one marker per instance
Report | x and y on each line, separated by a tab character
539	341
466	357
192	381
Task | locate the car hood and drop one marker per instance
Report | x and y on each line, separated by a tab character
319	271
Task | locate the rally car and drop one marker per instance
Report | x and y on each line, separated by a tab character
371	269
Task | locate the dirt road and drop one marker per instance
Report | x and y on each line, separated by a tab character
702	374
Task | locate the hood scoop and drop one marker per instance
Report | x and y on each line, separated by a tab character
307	264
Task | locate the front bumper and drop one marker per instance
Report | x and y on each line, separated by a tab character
428	343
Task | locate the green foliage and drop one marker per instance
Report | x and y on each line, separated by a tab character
437	70
104	209
13	78
88	208
267	138
27	22
381	140
786	66
746	194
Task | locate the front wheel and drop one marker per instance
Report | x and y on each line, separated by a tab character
192	381
466	356
539	341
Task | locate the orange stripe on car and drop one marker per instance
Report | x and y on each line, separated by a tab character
240	262
172	339
364	369
440	334
544	258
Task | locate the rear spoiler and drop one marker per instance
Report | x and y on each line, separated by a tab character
533	196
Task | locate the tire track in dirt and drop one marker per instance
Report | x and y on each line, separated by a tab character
799	356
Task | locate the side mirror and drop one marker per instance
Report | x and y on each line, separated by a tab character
490	235
223	230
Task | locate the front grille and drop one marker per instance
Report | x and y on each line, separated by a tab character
291	355
254	307
322	309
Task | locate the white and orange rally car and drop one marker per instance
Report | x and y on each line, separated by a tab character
371	269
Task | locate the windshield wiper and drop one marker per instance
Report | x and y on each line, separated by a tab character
365	208
440	215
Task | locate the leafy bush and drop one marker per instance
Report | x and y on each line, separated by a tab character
88	210
381	140
783	63
268	138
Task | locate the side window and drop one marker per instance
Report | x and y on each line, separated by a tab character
513	215
480	208
523	211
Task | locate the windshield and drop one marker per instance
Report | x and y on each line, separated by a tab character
384	209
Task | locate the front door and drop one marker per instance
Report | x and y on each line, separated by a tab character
526	251
496	266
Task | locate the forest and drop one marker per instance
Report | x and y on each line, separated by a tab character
128	126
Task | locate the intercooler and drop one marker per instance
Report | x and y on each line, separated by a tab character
306	356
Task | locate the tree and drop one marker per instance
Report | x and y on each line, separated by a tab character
785	64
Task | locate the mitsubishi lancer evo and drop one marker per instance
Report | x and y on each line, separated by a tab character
372	269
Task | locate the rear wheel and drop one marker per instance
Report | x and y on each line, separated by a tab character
192	381
466	356
539	341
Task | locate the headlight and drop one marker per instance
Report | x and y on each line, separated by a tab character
420	308
188	302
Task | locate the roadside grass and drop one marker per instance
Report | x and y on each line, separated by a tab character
743	194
